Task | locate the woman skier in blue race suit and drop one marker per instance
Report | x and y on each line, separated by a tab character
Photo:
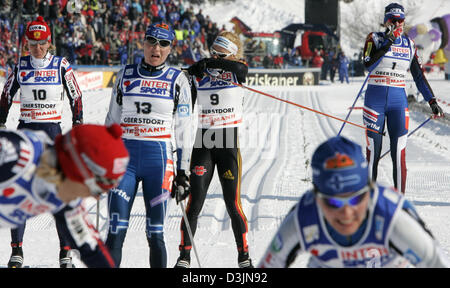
389	55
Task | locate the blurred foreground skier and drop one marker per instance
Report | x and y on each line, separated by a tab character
347	220
38	177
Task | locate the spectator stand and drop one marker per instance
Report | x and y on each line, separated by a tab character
102	35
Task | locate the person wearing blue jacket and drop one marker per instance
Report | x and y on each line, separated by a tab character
343	68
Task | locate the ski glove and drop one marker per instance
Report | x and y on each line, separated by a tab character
394	32
198	68
181	187
437	110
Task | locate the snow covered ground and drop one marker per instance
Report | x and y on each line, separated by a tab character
277	141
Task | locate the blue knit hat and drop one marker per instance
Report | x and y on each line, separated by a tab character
394	11
339	167
160	31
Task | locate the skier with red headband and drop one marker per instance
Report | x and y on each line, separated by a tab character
42	79
38	177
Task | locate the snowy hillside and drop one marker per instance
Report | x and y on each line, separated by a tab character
260	16
269	16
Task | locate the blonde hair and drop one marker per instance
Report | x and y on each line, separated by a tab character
236	40
47	168
52	49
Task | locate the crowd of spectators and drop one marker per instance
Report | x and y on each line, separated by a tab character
110	32
290	58
331	62
264	53
8	49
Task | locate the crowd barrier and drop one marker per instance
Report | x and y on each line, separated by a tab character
447	71
104	77
98	77
283	77
2	72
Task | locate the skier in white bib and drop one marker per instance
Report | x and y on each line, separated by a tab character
220	112
42	79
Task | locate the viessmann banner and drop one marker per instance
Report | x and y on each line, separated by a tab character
283	77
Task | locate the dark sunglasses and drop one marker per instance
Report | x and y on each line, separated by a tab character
162	42
394	20
339	202
219	54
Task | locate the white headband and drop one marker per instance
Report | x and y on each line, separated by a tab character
227	44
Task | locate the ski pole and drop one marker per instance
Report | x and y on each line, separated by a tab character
98	214
307	108
188	228
359	94
351	109
412	132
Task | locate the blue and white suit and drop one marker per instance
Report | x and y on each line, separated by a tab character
154	109
392	235
386	99
24	195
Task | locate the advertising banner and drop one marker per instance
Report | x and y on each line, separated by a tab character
256	77
286	77
90	80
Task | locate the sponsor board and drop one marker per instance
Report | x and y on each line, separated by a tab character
283	77
89	80
109	77
255	77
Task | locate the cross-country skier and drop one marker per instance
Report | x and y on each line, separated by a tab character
38	177
389	55
41	79
152	102
347	220
220	112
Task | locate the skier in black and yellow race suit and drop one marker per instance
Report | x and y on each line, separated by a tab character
220	110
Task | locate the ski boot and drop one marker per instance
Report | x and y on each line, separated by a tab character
65	260
184	261
244	260
16	259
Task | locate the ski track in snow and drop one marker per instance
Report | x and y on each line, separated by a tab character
277	140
